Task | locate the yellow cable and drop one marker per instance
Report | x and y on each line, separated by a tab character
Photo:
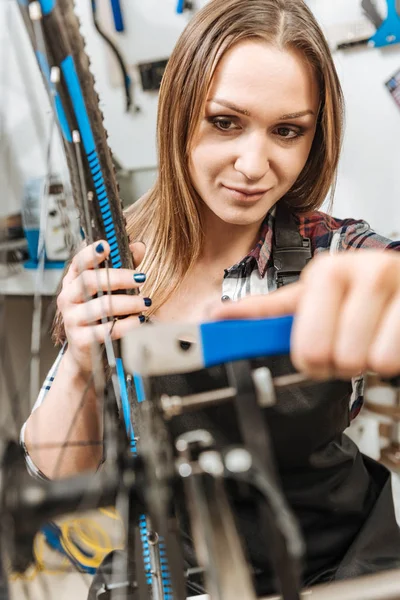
29	575
77	536
39	547
110	512
90	536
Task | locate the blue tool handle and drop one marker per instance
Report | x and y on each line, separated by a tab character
392	9
180	6
117	14
225	341
389	32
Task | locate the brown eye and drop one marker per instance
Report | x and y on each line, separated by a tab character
286	132
223	124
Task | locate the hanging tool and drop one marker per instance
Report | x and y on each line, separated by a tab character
117	14
389	32
124	70
387	29
372	13
183	5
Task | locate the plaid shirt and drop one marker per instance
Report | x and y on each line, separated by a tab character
255	274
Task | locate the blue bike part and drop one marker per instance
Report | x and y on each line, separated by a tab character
389	32
139	387
126	409
226	341
62	117
76	95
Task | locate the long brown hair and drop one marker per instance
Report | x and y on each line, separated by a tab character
168	218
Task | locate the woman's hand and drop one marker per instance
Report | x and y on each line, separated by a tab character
82	312
347	314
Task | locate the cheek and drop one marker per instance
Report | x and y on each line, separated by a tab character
206	162
292	162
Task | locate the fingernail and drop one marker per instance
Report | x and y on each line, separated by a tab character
100	248
139	277
147	301
141	318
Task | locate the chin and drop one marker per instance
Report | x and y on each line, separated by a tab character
242	217
240	221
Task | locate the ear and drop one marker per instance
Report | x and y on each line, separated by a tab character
138	250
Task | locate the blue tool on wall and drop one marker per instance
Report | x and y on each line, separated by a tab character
117	14
389	31
118	23
183	5
372	13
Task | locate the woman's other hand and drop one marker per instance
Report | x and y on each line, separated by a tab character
82	311
347	314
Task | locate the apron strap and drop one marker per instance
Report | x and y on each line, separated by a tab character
291	252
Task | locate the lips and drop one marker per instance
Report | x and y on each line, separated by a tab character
245	193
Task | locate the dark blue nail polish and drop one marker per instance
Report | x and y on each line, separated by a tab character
141	318
100	248
147	301
139	277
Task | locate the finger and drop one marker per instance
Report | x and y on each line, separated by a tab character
113	329
88	283
384	354
87	258
281	302
358	324
314	328
116	305
138	250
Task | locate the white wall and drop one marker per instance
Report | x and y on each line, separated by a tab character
369	178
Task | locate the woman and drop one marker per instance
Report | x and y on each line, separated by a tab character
249	134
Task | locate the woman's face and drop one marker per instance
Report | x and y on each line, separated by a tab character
256	134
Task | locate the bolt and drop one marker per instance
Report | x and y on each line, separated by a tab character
211	462
238	460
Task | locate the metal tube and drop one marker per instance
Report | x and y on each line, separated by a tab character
175	405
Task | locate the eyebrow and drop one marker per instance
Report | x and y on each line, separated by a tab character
245	112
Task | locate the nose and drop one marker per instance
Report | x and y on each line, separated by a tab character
252	158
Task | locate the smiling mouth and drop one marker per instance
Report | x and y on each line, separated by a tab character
246	194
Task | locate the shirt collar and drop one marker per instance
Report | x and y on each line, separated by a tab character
261	252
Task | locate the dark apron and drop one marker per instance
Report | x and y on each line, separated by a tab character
341	499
